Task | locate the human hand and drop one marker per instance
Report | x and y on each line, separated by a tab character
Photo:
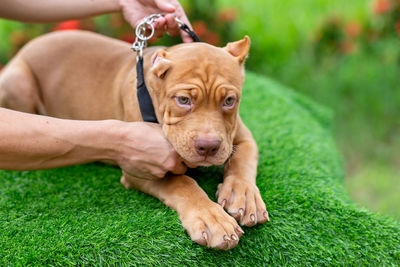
144	152
135	10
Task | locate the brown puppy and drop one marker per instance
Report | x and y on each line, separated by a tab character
195	89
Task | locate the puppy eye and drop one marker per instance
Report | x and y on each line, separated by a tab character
229	101
183	100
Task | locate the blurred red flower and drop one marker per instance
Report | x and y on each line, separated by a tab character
348	47
200	28
352	29
382	6
397	26
212	38
67	25
128	37
227	14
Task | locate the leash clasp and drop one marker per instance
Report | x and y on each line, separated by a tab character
147	23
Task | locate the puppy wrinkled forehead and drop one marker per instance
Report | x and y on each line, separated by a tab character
199	52
206	62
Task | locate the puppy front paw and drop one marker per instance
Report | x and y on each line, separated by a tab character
125	182
243	201
211	226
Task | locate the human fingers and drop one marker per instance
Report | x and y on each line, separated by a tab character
189	164
172	28
159	27
164	6
184	35
180	14
179	168
172	25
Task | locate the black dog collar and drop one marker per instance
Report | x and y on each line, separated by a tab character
145	103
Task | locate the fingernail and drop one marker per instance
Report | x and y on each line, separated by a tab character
169	6
226	238
234	237
266	215
253	218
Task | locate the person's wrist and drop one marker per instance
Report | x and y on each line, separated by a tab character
103	141
114	134
122	135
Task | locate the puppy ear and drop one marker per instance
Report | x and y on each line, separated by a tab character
159	64
239	49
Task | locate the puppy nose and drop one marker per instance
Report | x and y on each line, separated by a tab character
207	146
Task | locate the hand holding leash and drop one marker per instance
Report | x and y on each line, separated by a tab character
135	10
146	25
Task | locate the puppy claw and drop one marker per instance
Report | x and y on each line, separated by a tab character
223	203
217	193
205	238
238	229
234	237
244	202
253	218
266	215
211	226
241	212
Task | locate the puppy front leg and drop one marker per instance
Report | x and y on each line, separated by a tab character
239	194
205	221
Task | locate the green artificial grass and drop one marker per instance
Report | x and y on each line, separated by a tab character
82	215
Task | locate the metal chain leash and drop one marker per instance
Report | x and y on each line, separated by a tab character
141	29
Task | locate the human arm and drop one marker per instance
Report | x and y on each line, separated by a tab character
57	10
31	142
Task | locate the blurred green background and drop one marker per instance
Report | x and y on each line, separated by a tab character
343	54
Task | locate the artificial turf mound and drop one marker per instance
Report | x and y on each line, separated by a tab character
82	215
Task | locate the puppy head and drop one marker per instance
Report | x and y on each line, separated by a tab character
198	88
